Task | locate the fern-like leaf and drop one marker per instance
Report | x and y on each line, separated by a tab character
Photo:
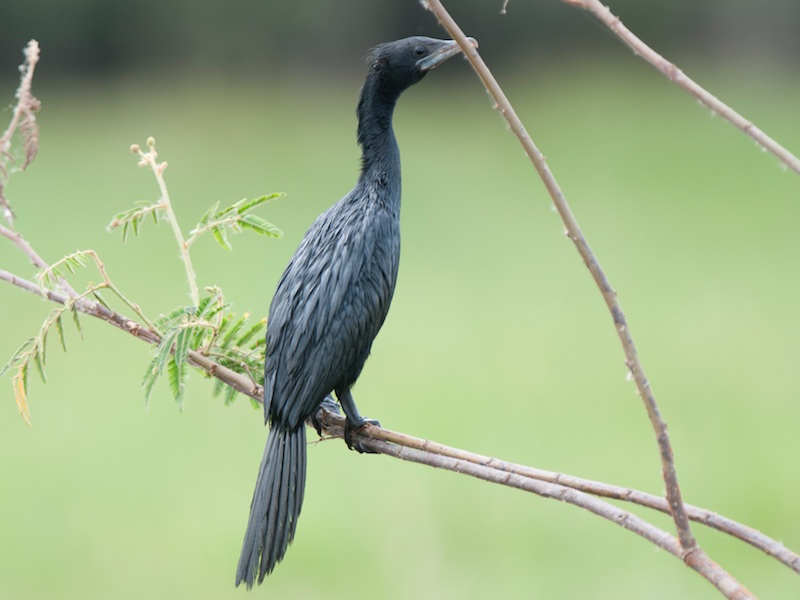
260	226
60	330
76	320
250	333
18	356
149	379
177	373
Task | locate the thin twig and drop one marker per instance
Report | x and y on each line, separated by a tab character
692	554
333	424
674	74
150	159
24	119
36	260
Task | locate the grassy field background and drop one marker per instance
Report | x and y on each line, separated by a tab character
497	341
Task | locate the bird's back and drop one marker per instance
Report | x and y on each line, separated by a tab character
331	302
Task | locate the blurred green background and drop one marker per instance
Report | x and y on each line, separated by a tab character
497	341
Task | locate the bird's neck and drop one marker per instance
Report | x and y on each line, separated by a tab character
380	155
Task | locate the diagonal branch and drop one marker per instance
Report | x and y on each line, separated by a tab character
679	78
692	554
406	447
37	261
575	233
708	569
711	519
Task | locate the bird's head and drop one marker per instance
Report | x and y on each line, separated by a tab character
403	63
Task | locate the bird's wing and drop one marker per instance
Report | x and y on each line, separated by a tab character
329	305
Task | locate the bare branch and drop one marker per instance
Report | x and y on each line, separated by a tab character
23	119
36	260
692	554
575	233
701	515
393	440
678	77
700	562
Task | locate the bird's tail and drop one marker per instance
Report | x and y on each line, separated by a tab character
276	504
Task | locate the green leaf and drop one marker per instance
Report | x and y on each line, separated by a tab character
74	262
100	299
260	226
250	333
203	305
164	349
226	340
182	344
218	385
211	212
221	236
23	373
226	321
37	360
177	380
60	330
230	395
170	318
212	310
15	358
74	310
260	341
150	378
245	205
48	277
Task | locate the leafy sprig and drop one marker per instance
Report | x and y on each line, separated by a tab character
210	329
34	351
234	219
207	327
134	217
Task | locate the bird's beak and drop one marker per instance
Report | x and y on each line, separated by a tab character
447	50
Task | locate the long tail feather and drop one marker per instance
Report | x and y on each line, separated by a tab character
276	504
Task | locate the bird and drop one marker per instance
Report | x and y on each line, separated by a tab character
330	303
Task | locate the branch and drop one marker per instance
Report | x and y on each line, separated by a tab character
406	447
574	232
742	532
37	261
707	568
692	554
674	74
551	485
24	120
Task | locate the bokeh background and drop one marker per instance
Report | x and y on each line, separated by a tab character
497	341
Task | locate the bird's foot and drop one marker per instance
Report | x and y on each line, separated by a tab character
328	404
350	428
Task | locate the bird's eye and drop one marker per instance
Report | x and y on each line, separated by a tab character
419	51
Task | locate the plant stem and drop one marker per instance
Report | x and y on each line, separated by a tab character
149	158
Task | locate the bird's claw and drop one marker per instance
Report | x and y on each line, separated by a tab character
328	404
350	428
